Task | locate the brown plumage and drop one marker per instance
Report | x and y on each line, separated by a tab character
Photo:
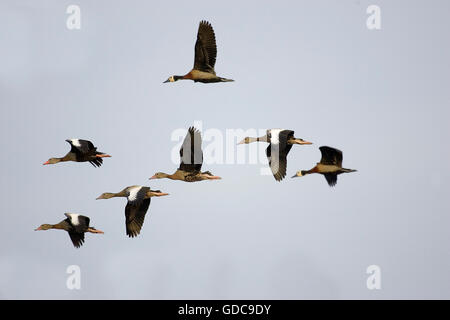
205	58
191	160
330	166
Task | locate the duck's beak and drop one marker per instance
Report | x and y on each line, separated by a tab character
152	177
295	176
241	142
37	229
166	81
46	162
305	142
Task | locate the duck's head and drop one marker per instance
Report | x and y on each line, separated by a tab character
173	79
299	174
52	161
246	140
44	227
105	195
159	175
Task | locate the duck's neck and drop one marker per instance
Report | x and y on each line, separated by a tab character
59	226
252	139
313	170
123	193
171	176
68	157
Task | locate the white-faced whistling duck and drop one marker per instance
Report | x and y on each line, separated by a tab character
191	155
81	151
280	143
138	202
330	165
205	58
76	225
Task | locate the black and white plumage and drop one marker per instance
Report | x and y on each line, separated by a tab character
278	150
137	206
76	225
280	143
85	150
81	151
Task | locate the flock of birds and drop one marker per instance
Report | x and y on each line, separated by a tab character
191	155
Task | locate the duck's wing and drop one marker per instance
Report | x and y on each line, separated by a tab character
331	156
136	209
331	179
205	48
277	152
80	146
77	238
84	149
77	222
277	161
191	153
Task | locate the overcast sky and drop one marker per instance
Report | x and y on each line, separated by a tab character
380	96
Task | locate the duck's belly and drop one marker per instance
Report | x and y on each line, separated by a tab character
326	168
197	74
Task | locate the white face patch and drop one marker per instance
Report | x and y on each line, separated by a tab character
133	193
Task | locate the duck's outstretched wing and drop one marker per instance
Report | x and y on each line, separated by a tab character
331	156
77	238
191	153
84	149
135	210
205	48
331	179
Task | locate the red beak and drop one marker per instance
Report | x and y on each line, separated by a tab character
46	163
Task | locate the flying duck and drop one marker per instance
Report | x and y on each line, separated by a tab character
138	202
191	155
76	225
330	166
81	151
205	58
280	143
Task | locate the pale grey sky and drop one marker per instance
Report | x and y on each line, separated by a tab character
311	66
